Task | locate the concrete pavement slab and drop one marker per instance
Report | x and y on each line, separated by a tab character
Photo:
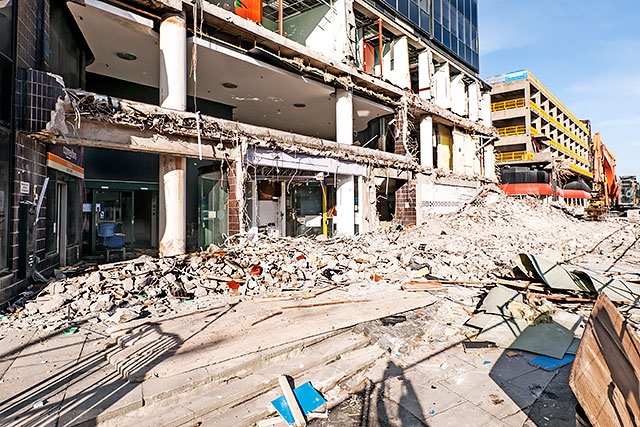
465	414
201	339
415	392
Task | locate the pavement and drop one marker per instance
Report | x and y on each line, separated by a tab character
67	377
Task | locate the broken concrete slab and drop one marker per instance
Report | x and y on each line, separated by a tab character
498	299
549	339
552	274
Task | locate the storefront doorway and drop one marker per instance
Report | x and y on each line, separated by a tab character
134	212
213	196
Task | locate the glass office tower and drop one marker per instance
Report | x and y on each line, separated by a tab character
452	23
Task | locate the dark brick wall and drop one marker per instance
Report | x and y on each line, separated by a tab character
29	166
406	203
29	31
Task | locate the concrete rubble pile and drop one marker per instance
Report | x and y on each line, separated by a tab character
474	244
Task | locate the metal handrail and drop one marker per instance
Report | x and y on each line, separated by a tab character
508	104
513	156
512	130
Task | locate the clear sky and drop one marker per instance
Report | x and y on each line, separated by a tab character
586	52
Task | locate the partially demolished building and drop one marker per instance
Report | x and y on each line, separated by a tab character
183	122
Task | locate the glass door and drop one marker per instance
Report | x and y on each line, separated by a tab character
212	209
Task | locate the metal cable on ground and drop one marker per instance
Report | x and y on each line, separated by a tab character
597	244
623	253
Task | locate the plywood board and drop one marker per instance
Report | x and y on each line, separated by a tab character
605	376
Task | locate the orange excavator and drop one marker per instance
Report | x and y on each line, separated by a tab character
604	192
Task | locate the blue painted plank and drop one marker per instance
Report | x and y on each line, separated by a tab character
308	398
550	363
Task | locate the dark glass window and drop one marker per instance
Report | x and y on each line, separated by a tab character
437	10
403	7
437	31
446	23
446	38
414	14
424	21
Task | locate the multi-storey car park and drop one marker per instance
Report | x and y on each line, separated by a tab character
542	144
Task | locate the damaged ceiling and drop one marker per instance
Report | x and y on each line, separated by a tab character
260	93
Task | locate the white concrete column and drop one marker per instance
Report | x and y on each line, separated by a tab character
489	162
425	72
485	109
173	95
426	142
442	86
401	75
173	218
474	102
345	189
173	62
345	205
344	116
458	96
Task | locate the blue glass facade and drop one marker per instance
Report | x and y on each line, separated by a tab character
452	23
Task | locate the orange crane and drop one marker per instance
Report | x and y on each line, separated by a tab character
604	192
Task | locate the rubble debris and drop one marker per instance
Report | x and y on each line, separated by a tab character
604	376
473	248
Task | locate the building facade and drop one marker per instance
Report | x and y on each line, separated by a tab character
542	145
184	123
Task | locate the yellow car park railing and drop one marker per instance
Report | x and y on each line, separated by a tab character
556	123
512	130
507	105
514	156
580	170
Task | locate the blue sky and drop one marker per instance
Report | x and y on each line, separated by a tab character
587	52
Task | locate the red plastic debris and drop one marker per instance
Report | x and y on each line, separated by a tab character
299	257
233	285
256	270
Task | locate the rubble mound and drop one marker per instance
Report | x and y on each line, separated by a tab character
477	242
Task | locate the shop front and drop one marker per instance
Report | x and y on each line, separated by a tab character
121	188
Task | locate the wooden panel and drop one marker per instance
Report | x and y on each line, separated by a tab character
606	372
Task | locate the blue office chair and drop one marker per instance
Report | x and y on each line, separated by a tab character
112	241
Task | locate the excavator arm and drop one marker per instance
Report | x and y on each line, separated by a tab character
605	188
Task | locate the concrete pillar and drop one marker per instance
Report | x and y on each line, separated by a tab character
485	109
442	86
426	142
345	205
489	162
400	74
173	218
173	62
344	32
458	96
474	101
173	95
345	187
344	116
425	71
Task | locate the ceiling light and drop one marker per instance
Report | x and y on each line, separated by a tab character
126	56
299	105
229	85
